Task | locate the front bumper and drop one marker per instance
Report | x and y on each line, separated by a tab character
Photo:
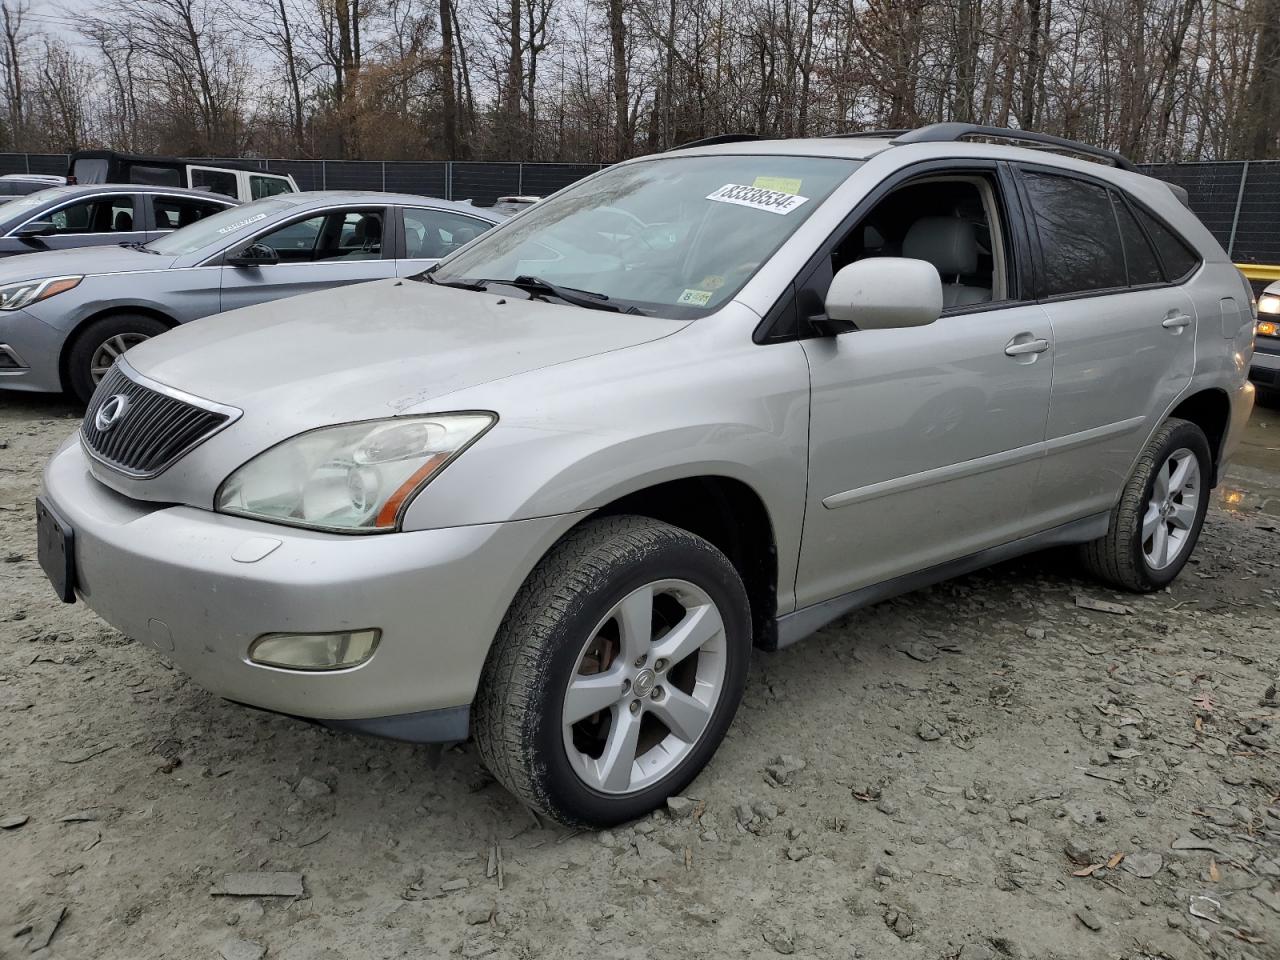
1264	370
37	346
165	575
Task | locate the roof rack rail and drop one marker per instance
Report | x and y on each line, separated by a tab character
719	138
870	134
950	132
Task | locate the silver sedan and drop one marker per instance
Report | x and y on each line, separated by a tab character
66	315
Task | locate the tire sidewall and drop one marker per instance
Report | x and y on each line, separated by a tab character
1184	435
701	565
88	340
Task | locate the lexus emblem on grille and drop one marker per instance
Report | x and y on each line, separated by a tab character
111	412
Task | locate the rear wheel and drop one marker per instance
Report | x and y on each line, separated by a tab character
99	344
1157	522
616	672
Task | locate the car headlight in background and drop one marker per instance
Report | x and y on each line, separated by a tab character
353	478
15	296
1269	303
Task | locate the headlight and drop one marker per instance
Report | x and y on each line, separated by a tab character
15	296
354	478
1269	303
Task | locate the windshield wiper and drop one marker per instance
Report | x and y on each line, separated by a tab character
136	245
426	275
537	286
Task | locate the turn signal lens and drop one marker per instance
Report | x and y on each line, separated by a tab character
1268	328
315	651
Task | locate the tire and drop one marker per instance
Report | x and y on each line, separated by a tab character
562	623
107	334
1125	557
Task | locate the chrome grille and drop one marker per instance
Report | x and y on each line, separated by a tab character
156	427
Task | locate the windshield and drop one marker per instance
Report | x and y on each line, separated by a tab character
674	237
224	225
17	209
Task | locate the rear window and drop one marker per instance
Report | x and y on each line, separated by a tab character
1079	237
1179	259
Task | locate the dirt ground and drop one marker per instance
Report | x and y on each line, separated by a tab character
983	769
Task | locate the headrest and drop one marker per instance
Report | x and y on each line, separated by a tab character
949	243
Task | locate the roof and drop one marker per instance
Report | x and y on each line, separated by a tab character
326	197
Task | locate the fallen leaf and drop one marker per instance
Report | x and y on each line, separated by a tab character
1114	861
1203	701
1086	871
1199	725
1214	873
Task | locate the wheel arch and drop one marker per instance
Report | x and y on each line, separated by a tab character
83	324
1210	410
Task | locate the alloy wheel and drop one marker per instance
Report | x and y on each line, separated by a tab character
1171	511
109	350
645	687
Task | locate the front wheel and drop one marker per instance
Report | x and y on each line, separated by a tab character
101	343
616	672
1157	522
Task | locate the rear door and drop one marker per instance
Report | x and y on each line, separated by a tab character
1124	336
169	212
430	234
320	249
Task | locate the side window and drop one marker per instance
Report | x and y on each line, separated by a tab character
295	242
1079	237
351	235
954	221
173	213
430	234
1179	259
215	181
1140	259
112	214
342	235
260	186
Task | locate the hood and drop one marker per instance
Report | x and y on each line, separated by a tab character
78	260
375	350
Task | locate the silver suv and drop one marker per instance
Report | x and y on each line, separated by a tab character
550	493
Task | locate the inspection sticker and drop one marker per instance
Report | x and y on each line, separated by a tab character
698	298
785	184
242	223
758	198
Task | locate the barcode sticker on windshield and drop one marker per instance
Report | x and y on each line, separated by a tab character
757	198
242	223
697	298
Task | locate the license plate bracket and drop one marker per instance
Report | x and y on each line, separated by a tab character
55	548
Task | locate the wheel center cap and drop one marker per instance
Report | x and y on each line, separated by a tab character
644	682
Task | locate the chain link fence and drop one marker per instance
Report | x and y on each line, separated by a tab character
1238	201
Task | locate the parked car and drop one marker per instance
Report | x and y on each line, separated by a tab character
58	218
66	315
1265	371
241	183
21	184
550	492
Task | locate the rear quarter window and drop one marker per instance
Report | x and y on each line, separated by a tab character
1177	255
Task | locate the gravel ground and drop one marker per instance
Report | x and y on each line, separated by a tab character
983	769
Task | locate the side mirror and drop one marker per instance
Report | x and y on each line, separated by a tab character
882	293
36	228
254	255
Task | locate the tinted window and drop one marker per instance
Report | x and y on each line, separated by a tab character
1179	260
215	181
260	186
98	215
1139	257
174	212
431	234
20	188
220	228
1079	238
154	176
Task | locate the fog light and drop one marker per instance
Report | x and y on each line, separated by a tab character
315	651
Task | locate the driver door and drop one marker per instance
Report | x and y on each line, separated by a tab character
316	250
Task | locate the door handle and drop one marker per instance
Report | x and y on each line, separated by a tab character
1176	321
1016	348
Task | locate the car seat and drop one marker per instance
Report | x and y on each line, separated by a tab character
951	245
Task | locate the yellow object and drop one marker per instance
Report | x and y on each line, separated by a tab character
1267	329
1260	271
781	184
